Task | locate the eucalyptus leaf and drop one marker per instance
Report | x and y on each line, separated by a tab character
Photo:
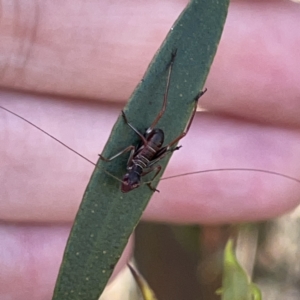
106	216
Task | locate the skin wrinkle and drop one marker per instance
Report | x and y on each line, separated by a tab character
32	34
1	12
6	61
26	29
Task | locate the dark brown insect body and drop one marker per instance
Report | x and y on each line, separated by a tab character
143	157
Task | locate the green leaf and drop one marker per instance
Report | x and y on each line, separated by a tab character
107	217
236	283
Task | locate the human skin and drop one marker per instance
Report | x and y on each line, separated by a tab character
70	68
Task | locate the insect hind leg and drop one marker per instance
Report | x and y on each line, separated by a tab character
184	133
157	169
161	112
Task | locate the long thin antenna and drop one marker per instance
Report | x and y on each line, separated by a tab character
234	169
40	129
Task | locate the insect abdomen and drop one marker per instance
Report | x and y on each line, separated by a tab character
156	139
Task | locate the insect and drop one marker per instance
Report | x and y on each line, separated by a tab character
143	158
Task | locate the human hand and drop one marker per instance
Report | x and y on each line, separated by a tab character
83	62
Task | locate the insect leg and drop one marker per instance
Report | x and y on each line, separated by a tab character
129	148
157	169
145	142
165	97
132	152
184	133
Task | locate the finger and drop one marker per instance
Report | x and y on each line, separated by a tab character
53	180
30	255
256	67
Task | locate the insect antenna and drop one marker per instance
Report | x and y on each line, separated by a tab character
111	175
234	169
